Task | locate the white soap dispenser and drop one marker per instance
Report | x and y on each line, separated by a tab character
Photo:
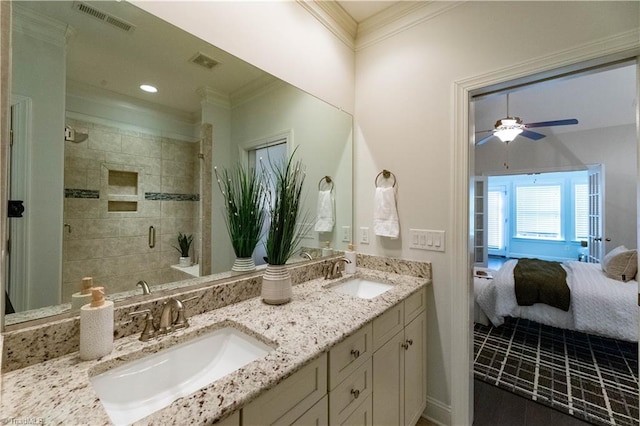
82	297
96	326
327	250
350	268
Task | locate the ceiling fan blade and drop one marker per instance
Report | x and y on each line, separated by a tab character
481	141
532	135
553	123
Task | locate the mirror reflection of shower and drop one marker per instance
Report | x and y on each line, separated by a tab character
71	135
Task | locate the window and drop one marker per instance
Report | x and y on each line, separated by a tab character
581	210
538	211
496	219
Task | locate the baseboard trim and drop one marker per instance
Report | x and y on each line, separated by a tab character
437	412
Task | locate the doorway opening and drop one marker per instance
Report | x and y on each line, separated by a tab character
590	142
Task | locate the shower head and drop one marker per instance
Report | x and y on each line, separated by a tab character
72	136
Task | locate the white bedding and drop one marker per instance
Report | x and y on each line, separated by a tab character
599	305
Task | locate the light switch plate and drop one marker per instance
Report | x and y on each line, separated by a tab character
346	234
364	235
426	239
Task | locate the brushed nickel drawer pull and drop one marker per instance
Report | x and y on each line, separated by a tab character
355	393
410	342
405	346
355	353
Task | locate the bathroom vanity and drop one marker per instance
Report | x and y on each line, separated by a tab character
332	357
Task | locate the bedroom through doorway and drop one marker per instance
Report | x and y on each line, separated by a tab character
567	125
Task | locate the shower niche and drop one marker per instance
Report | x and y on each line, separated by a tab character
122	190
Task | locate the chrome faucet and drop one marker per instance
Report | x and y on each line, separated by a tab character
172	318
145	287
333	270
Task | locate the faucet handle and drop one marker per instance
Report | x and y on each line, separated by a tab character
181	320
149	330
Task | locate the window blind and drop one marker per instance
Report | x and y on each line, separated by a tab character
538	211
581	210
495	219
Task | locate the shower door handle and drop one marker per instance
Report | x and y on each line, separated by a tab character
152	237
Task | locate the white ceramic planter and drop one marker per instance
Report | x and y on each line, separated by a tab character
185	261
243	264
276	285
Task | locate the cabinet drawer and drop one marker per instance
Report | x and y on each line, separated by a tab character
388	325
350	393
317	415
348	355
414	305
362	416
291	398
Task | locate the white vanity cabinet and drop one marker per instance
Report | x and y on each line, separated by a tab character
400	363
376	376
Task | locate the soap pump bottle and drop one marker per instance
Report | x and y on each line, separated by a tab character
350	268
82	297
327	250
96	326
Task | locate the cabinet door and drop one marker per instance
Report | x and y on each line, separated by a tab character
415	369
388	382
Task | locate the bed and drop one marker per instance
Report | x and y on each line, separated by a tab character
599	304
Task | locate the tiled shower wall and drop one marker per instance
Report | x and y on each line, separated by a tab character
160	179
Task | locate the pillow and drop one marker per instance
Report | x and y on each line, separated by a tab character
621	264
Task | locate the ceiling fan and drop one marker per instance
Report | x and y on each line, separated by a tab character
506	129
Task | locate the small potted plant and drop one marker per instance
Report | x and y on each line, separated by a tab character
244	193
184	244
287	226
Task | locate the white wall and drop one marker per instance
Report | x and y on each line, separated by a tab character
404	123
280	37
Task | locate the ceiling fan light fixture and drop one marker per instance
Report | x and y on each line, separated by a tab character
508	128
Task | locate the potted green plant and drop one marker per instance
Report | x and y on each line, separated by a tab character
184	244
287	226
244	192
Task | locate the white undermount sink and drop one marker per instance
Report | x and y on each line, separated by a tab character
362	288
141	387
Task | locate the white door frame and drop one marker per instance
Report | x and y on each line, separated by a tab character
626	45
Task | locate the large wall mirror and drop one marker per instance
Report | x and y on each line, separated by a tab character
109	175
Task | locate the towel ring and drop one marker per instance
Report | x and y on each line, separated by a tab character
329	182
386	174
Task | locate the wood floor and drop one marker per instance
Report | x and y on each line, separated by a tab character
497	407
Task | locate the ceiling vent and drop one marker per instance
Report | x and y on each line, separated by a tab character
103	16
204	60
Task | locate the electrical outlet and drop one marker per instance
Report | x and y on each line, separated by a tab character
346	234
364	235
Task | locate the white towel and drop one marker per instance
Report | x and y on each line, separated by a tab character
325	212
385	214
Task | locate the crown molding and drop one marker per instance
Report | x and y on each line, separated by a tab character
213	97
334	18
399	17
40	27
254	89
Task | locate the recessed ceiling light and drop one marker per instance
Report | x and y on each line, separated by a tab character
148	88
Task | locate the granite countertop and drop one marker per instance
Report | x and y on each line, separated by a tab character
58	391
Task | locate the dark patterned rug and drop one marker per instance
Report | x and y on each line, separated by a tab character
589	377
